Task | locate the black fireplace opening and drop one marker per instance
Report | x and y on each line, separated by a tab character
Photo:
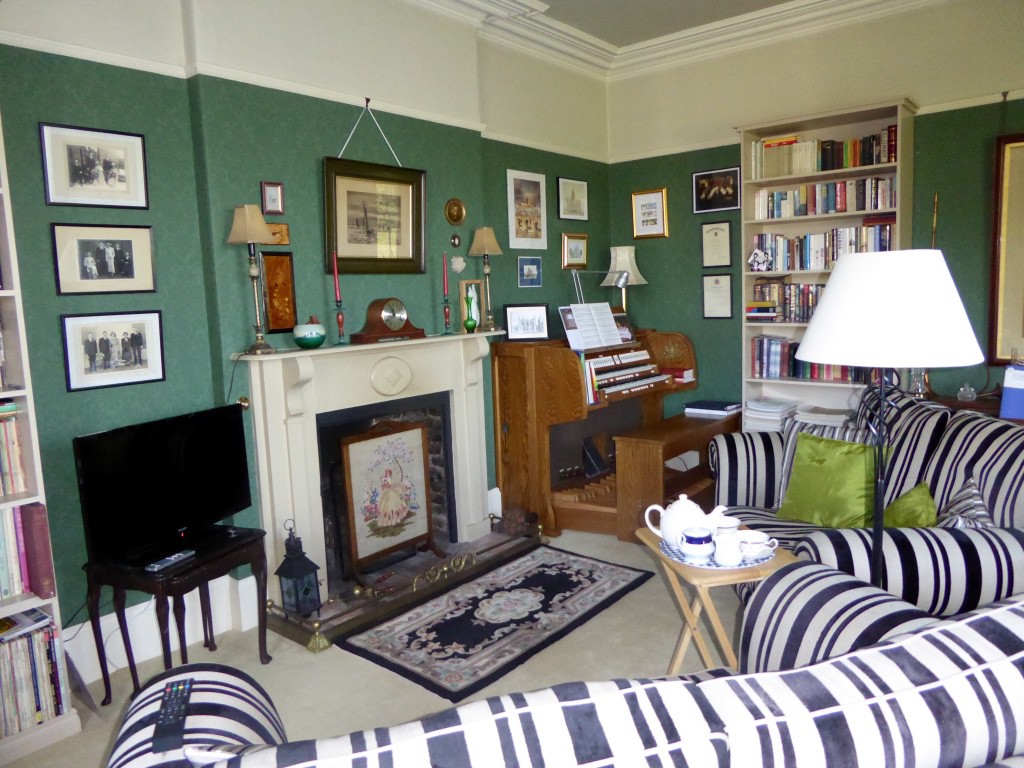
432	410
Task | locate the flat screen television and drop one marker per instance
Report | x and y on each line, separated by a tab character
150	489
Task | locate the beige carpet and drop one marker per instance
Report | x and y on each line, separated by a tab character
326	694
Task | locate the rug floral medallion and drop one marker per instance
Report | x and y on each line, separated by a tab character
463	640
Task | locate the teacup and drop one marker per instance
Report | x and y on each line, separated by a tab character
697	544
727	524
756	545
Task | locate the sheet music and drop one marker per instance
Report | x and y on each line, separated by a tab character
589	326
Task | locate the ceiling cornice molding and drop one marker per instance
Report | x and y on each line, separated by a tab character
522	25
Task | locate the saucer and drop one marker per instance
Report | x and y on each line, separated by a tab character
710	562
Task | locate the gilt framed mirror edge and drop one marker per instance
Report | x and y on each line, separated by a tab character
1006	297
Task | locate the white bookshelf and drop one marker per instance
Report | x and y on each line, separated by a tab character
18	388
765	181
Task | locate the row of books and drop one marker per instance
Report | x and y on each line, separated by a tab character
790	155
783	302
877	193
33	683
774	252
774	357
26	563
13	478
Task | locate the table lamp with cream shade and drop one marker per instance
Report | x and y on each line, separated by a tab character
249	227
485	244
623	261
887	310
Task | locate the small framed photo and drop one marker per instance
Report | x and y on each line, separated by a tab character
83	166
717	296
574	251
716	190
526	322
474	290
650	213
527	212
572	199
715	245
279	292
112	350
272	196
530	272
103	259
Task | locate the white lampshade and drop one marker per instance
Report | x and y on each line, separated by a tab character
484	243
891	309
248	226
623	260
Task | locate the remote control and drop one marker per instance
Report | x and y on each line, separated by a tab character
169	732
170	560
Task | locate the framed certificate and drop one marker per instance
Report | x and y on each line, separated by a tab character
715	244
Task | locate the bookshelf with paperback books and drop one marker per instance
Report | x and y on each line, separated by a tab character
35	702
814	189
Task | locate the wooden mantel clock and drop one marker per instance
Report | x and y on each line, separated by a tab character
387	320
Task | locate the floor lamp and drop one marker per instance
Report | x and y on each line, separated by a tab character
894	309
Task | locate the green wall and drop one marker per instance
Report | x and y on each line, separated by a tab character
209	143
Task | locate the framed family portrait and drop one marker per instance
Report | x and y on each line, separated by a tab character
574	251
388	488
83	166
572	199
527	211
279	292
272	197
103	259
715	248
650	213
716	190
112	350
526	322
374	217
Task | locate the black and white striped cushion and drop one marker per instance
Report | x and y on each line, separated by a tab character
747	467
991	451
966	509
226	708
806	612
940	570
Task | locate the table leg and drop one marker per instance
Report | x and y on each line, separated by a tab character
691	629
259	571
126	638
204	604
179	619
92	600
165	638
724	641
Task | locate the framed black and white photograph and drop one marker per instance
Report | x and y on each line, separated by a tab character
527	211
650	213
83	166
717	296
574	251
112	350
272	197
530	272
572	199
716	190
103	259
715	248
526	322
374	217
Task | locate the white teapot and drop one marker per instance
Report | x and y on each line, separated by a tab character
673	519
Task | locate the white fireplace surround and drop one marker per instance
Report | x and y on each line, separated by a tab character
288	389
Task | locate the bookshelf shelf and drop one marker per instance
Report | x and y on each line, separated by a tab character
36	713
845	142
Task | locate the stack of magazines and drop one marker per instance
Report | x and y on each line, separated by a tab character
816	414
767	414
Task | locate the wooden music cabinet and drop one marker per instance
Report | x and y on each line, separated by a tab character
542	419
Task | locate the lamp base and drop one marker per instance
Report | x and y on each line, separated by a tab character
260	347
488	324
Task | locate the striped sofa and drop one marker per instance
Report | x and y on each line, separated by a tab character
833	672
970	462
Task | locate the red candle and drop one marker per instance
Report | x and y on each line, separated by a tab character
445	257
337	288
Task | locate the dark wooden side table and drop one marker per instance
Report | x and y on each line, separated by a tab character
217	553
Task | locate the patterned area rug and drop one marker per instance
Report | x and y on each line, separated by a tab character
460	642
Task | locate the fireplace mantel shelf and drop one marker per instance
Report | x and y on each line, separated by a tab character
365	348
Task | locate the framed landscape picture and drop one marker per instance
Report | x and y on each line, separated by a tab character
83	166
574	251
103	259
526	322
572	199
112	350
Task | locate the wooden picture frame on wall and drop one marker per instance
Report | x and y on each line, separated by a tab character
574	251
279	291
650	213
1006	302
476	288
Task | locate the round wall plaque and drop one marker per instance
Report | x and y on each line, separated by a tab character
455	211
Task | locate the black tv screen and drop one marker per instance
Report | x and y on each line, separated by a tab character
150	489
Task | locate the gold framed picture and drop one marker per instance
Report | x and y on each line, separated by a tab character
574	251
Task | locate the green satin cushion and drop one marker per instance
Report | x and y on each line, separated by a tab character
831	483
914	509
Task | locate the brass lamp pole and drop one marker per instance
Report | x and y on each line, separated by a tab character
249	227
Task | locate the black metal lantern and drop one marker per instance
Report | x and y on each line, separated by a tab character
300	591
